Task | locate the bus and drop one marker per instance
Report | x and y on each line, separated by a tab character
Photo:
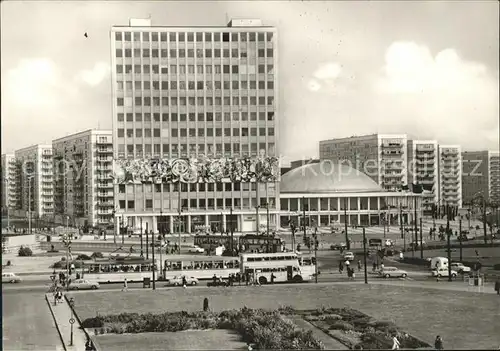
285	266
262	243
117	269
201	267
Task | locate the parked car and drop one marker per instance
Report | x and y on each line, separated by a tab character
177	281
460	267
388	272
338	246
389	242
443	272
349	256
196	249
83	284
10	278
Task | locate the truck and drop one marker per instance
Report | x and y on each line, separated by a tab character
439	262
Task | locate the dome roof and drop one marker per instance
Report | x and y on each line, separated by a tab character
327	177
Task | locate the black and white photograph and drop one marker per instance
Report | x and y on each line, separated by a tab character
250	175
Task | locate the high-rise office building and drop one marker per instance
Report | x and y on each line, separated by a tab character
35	180
481	175
423	169
83	187
383	157
450	175
9	182
194	92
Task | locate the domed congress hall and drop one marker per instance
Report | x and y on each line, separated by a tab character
330	191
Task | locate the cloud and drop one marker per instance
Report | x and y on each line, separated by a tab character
453	100
96	75
325	77
313	85
32	83
329	70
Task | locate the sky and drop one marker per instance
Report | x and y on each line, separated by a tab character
426	69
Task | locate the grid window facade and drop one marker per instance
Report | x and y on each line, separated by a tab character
195	92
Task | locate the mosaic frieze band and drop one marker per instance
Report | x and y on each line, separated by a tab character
192	170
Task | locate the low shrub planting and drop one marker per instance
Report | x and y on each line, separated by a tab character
264	329
83	257
358	330
63	264
96	255
24	252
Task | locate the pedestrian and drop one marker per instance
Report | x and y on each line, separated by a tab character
272	278
497	286
341	267
438	344
125	285
395	342
184	282
206	308
359	265
374	266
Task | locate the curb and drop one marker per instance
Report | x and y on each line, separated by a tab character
55	322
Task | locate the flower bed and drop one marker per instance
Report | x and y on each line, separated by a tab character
358	330
264	329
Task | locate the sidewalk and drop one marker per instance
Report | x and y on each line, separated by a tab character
62	315
442	285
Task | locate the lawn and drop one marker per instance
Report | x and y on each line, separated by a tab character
464	320
184	340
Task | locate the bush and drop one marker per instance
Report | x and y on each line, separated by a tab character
265	329
97	255
375	341
341	325
83	257
24	252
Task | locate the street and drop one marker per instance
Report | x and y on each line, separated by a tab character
27	322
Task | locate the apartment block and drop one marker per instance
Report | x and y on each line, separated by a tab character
9	182
35	181
383	157
423	169
480	175
494	176
450	175
194	92
83	185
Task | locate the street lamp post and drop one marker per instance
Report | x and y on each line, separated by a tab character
71	320
421	240
364	255
460	237
448	234
316	244
114	226
304	216
140	232
348	244
147	240
29	204
231	245
122	229
153	256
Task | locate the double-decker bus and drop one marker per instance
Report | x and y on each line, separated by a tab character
284	266
117	269
201	267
